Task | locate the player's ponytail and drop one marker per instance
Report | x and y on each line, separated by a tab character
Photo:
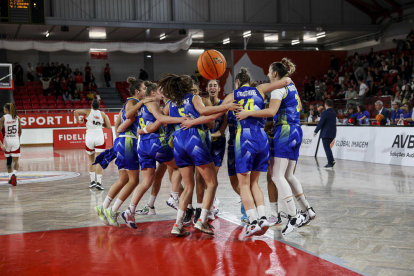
134	84
243	76
150	87
176	87
12	109
285	68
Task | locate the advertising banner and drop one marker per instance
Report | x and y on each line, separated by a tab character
56	120
99	55
309	143
385	145
75	138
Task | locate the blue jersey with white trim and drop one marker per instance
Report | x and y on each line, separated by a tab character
132	129
146	118
251	99
186	108
289	110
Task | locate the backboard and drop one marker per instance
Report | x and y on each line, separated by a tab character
6	76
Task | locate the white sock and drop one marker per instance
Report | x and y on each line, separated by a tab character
132	208
10	175
199	205
261	210
203	216
304	205
14	172
117	205
274	208
151	201
174	195
106	202
252	215
190	206
290	205
92	175
99	178
180	215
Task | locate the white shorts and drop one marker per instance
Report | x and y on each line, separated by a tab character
12	147
94	141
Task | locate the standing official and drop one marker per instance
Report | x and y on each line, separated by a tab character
327	125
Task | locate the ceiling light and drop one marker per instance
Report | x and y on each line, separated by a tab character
97	50
283	33
196	51
47	34
271	38
97	32
317	49
294	42
149	56
319	35
226	41
162	36
247	34
308	37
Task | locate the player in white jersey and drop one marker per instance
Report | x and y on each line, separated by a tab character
94	140
12	130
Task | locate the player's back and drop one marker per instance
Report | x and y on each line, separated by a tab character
132	129
289	110
146	118
94	121
11	127
186	108
251	99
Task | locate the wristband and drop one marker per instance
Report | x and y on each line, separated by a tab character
145	130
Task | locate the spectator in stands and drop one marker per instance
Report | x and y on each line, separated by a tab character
393	68
67	96
320	110
307	84
353	84
64	84
398	90
350	96
88	71
18	74
30	72
39	69
369	80
404	85
408	113
143	75
45	70
379	106
319	90
91	82
399	43
396	112
68	69
371	55
46	85
107	75
76	72
352	113
334	63
362	113
79	81
90	96
57	87
385	89
53	70
347	110
76	96
71	85
363	90
313	114
408	94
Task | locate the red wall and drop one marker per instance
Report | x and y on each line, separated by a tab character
311	63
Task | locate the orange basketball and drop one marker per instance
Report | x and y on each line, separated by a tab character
211	64
379	117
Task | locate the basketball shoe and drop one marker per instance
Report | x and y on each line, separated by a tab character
172	203
197	215
188	216
252	229
93	184
309	216
13	180
264	226
99	186
204	227
146	210
101	214
293	223
179	231
129	218
274	220
112	216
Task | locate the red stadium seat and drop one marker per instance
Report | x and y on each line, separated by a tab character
43	101
85	106
77	106
61	106
35	101
30	112
26	101
58	102
51	97
44	106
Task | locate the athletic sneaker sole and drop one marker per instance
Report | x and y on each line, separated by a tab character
199	229
104	221
132	225
172	206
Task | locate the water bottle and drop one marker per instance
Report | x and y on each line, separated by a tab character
388	122
401	121
366	121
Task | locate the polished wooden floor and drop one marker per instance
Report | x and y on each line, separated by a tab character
364	225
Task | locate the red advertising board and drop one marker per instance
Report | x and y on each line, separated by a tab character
56	120
99	55
75	138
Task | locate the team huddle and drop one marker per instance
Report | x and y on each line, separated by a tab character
187	138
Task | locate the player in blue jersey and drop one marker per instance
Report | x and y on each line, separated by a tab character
190	148
285	108
125	147
153	148
252	148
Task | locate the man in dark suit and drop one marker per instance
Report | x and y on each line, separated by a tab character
379	106
327	126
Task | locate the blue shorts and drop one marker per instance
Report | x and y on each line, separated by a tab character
218	148
208	139
190	148
251	150
287	141
231	161
126	153
152	150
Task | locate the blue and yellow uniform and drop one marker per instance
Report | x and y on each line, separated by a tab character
169	130
231	158
153	146
287	130
125	145
218	145
190	146
252	145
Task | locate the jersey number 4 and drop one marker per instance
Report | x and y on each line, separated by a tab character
12	129
249	104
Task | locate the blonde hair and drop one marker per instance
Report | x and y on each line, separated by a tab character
150	87
290	67
12	109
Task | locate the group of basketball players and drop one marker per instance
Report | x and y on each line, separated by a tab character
187	137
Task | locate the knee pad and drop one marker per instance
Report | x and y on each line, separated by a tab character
9	161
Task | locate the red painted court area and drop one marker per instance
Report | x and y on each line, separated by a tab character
152	250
